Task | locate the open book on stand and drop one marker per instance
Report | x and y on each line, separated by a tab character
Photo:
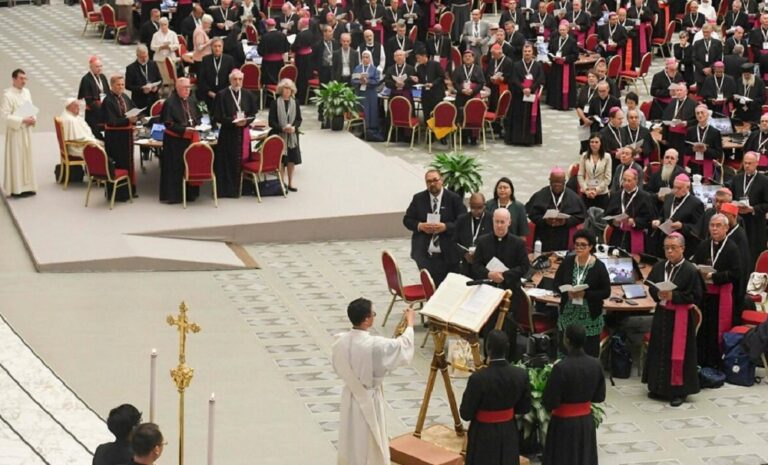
467	307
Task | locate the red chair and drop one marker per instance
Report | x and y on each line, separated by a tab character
312	83
666	41
97	167
573	172
266	160
413	34
92	18
65	158
198	167
631	76
170	68
607	233
251	34
529	239
445	118
409	294
183	41
446	24
108	15
252	80
455	57
429	289
530	322
474	118
157	108
591	42
286	72
645	107
492	3
614	67
550	8
401	113
502	107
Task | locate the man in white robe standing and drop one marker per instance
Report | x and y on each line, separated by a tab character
75	128
361	360
19	173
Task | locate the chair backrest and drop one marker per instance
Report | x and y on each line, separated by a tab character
505	99
271	153
108	14
60	137
89	6
761	265
157	108
524	314
531	237
607	233
670	32
591	42
573	172
84	9
645	63
392	273
455	57
400	111
446	22
413	34
96	162
550	7
614	66
427	283
170	68
251	76
645	107
445	115
288	72
182	40
697	317
474	113
198	161
251	34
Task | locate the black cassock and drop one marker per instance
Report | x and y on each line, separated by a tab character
640	133
642	17
599	110
521	127
271	48
511	251
91	92
302	48
705	54
757	37
555	237
229	149
660	92
474	78
213	76
502	67
467	230
617	34
561	89
431	73
575	379
637	206
612	138
708	135
687	210
757	142
177	116
750	111
658	363
728	270
138	75
499	386
756	189
714	88
118	138
676	137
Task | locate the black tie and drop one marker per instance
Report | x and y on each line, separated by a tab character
435	210
434	204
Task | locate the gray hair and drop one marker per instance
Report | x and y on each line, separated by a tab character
207	19
285	83
141	48
217	40
718	217
163	21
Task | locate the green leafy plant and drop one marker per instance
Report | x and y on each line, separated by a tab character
460	172
537	420
336	99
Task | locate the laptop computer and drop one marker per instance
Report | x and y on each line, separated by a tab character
633	291
724	125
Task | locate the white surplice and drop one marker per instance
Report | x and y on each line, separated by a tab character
362	360
19	172
75	128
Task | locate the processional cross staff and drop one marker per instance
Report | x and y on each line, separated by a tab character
182	374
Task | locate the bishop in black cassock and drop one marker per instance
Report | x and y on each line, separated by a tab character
680	206
213	74
179	116
629	233
118	134
93	88
555	234
752	186
523	122
232	108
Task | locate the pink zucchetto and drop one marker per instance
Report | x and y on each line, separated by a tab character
683	178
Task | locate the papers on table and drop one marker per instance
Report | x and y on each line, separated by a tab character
467	307
620	217
666	227
673	123
663	286
553	214
228	24
570	288
134	112
494	264
26	110
536	292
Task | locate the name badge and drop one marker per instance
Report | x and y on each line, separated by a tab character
102	97
559	54
720	97
529	76
706	57
363	87
436	58
373	23
699	156
586	108
765	45
593	183
410	20
240	115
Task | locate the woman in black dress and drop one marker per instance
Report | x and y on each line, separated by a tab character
285	119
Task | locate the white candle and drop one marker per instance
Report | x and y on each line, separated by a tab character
211	415
152	385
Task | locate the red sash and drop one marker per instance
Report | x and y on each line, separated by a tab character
273	57
528	83
304	51
636	238
643	38
566	85
246	144
580	38
628	54
679	129
725	308
679	336
573	410
495	416
444	63
664	100
192	136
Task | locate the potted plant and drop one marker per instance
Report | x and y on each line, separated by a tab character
336	98
460	172
534	424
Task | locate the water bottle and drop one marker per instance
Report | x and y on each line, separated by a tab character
536	249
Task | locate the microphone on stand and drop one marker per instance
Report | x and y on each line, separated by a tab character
476	282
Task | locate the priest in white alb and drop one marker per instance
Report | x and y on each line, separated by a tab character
17	115
74	128
362	360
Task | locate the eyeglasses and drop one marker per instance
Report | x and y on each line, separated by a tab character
672	247
434	180
581	245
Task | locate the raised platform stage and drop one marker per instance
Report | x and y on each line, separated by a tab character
347	190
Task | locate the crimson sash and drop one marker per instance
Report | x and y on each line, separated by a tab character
679	337
273	57
643	38
725	308
628	54
304	51
246	154
636	238
528	83
495	416
566	84
573	410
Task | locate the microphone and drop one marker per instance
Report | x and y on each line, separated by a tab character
476	282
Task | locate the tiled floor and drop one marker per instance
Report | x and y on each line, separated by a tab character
267	332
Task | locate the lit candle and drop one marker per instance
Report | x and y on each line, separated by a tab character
211	414
152	385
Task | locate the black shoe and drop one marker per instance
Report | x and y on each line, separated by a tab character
654	396
28	194
473	142
676	401
444	141
292	189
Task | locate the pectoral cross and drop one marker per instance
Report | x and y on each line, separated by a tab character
184	326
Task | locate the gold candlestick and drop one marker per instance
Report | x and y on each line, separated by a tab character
182	374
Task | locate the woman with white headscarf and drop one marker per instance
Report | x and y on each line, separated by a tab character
285	119
365	78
